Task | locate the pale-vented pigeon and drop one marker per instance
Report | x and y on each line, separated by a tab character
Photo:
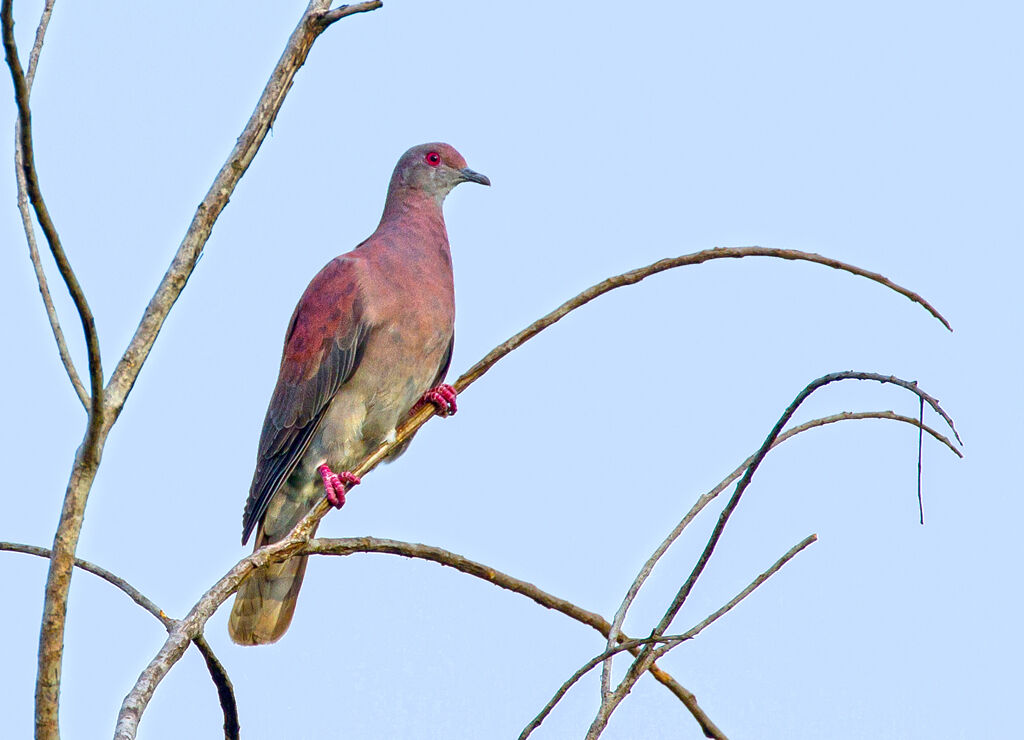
371	337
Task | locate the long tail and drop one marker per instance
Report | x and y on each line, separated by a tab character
265	603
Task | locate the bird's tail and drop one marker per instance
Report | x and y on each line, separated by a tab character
265	602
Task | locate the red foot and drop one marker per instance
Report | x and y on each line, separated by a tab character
443	397
335	485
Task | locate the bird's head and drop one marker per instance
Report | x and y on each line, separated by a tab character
435	169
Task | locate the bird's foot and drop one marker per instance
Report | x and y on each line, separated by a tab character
336	484
443	397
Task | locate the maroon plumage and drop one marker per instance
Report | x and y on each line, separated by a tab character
370	336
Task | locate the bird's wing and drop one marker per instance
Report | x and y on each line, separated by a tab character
322	349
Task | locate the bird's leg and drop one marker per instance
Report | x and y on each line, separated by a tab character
443	397
335	484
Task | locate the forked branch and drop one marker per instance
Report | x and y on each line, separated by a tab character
609	701
225	691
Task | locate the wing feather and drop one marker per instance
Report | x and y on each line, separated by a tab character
323	347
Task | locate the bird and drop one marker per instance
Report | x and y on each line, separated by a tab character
369	341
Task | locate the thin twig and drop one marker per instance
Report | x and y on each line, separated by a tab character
35	195
920	454
225	691
705	499
344	11
696	258
584	670
611	701
667	642
27	225
776	566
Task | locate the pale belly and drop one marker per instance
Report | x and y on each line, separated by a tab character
390	379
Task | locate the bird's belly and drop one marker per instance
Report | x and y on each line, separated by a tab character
392	376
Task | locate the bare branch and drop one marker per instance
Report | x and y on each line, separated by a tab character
669	641
609	702
635	276
775	568
585	669
705	499
35	195
225	691
309	28
30	232
58	581
137	700
343	11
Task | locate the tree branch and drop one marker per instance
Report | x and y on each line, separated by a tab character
138	698
344	11
35	195
696	258
58	581
26	221
225	691
610	701
667	642
705	499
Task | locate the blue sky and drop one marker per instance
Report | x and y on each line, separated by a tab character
882	134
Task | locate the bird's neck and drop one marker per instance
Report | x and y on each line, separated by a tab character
407	204
413	221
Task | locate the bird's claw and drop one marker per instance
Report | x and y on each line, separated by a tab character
336	484
443	398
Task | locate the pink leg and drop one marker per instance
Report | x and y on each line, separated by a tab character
335	485
443	397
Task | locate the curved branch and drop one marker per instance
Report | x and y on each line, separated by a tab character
225	691
30	232
35	195
610	701
635	276
705	499
138	699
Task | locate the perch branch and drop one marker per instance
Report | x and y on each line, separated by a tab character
667	642
225	691
138	698
610	701
705	499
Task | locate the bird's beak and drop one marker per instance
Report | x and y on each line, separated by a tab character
469	176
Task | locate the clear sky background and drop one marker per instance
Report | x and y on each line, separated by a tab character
884	134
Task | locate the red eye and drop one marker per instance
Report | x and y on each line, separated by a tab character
433	159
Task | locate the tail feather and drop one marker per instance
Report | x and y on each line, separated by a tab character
265	603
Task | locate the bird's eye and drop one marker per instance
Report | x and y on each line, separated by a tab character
433	159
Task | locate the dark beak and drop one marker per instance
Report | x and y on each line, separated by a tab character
469	176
